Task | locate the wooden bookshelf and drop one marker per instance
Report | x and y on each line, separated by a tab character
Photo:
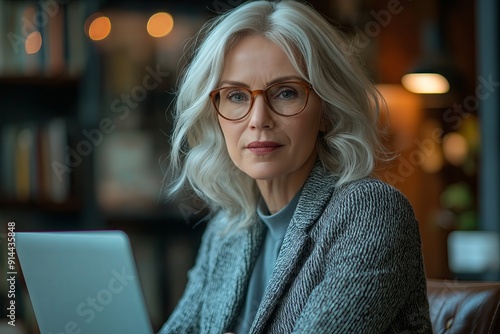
67	98
40	99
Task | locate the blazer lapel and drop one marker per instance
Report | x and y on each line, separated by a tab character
236	256
315	195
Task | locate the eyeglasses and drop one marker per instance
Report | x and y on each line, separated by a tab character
287	98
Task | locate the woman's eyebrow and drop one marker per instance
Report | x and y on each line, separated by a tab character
285	78
276	80
233	83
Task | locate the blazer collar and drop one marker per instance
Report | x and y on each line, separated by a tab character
316	193
315	196
233	265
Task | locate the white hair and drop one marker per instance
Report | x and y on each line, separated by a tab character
349	148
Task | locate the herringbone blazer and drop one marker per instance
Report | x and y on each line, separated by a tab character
350	262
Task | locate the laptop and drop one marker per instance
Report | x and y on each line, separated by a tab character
83	282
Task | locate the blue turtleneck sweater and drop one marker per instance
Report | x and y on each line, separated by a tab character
277	225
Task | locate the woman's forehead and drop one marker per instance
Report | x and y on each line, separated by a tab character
256	58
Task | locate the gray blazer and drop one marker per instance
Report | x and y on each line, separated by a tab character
350	262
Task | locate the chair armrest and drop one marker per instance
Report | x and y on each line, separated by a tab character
464	307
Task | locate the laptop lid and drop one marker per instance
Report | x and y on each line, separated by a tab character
83	282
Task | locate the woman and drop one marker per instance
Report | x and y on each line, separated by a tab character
276	129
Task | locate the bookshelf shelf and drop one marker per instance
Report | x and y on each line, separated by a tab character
72	205
166	218
63	80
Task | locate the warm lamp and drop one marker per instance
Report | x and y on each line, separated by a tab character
434	72
425	83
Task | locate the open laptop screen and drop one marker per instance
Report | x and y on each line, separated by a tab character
83	282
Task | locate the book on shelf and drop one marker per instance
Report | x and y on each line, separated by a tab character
76	41
25	163
42	38
8	135
3	32
30	61
30	156
58	180
126	173
53	42
17	22
13	42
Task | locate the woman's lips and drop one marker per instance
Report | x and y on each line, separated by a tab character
262	147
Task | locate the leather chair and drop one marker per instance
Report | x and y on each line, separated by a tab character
464	307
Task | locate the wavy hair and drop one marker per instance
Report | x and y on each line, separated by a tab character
349	148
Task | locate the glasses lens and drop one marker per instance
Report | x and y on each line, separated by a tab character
233	102
287	98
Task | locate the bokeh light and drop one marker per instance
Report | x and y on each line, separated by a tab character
160	24
455	148
33	42
434	161
99	28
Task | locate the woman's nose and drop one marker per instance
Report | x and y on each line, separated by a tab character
261	116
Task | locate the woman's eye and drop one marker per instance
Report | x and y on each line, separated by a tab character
286	94
236	96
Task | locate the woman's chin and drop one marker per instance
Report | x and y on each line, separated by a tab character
262	175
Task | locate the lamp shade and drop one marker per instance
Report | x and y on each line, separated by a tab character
433	73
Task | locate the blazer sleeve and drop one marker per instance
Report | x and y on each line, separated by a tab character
186	316
373	257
